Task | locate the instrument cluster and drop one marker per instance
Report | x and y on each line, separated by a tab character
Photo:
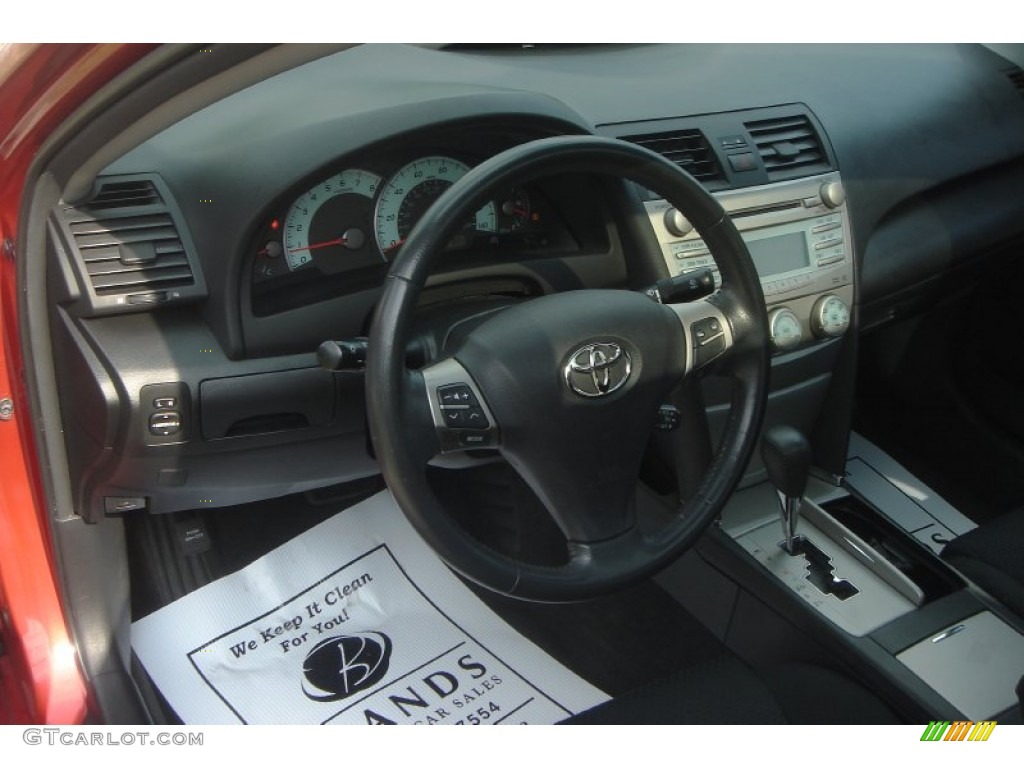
343	231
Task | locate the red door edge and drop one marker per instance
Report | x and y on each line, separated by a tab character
40	679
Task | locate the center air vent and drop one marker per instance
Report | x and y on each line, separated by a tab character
687	148
130	247
789	146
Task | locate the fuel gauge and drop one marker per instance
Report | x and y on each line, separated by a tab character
514	211
268	263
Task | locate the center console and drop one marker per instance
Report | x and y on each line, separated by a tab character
849	557
866	583
774	173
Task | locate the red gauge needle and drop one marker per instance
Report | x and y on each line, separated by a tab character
394	245
326	243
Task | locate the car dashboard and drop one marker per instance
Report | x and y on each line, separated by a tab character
196	278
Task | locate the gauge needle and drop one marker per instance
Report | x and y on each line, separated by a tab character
394	245
338	241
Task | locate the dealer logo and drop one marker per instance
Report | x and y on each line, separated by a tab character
344	665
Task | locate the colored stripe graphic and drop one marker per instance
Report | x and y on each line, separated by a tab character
982	730
934	730
959	730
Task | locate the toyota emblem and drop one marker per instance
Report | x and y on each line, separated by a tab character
597	369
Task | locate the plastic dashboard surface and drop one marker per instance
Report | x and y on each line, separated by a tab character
915	131
931	124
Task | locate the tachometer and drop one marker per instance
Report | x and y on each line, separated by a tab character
329	224
411	191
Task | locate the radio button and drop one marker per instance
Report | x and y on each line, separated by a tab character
697	262
824	261
825	227
676	223
832	194
690	245
823	244
785	329
830	317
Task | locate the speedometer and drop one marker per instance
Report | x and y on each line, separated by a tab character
411	191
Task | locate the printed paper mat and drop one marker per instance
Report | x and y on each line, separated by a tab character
354	621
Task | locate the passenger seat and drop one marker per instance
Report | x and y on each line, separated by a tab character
992	556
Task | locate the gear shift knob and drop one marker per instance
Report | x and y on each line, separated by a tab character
787	457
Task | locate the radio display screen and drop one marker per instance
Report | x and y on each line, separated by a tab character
773	255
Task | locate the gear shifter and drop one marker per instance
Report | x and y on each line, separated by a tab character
787	457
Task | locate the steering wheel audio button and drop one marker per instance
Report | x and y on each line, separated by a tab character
456	395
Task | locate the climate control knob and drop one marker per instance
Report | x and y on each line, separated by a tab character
785	329
830	317
677	224
832	194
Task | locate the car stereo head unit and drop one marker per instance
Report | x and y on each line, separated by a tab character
798	235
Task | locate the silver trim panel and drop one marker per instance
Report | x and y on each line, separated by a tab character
783	208
974	667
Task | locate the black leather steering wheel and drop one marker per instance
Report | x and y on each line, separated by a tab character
567	386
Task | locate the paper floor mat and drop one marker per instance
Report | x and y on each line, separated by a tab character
354	621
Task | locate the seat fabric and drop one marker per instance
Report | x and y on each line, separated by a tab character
726	691
992	556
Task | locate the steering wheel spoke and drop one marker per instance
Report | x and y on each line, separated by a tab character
590	495
707	331
460	414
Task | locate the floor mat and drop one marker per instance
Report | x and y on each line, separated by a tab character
620	642
354	621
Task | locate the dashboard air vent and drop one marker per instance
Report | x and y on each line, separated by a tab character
126	254
789	146
130	247
125	194
688	149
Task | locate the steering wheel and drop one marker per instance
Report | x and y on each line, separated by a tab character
566	386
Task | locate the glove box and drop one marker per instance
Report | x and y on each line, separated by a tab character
266	403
